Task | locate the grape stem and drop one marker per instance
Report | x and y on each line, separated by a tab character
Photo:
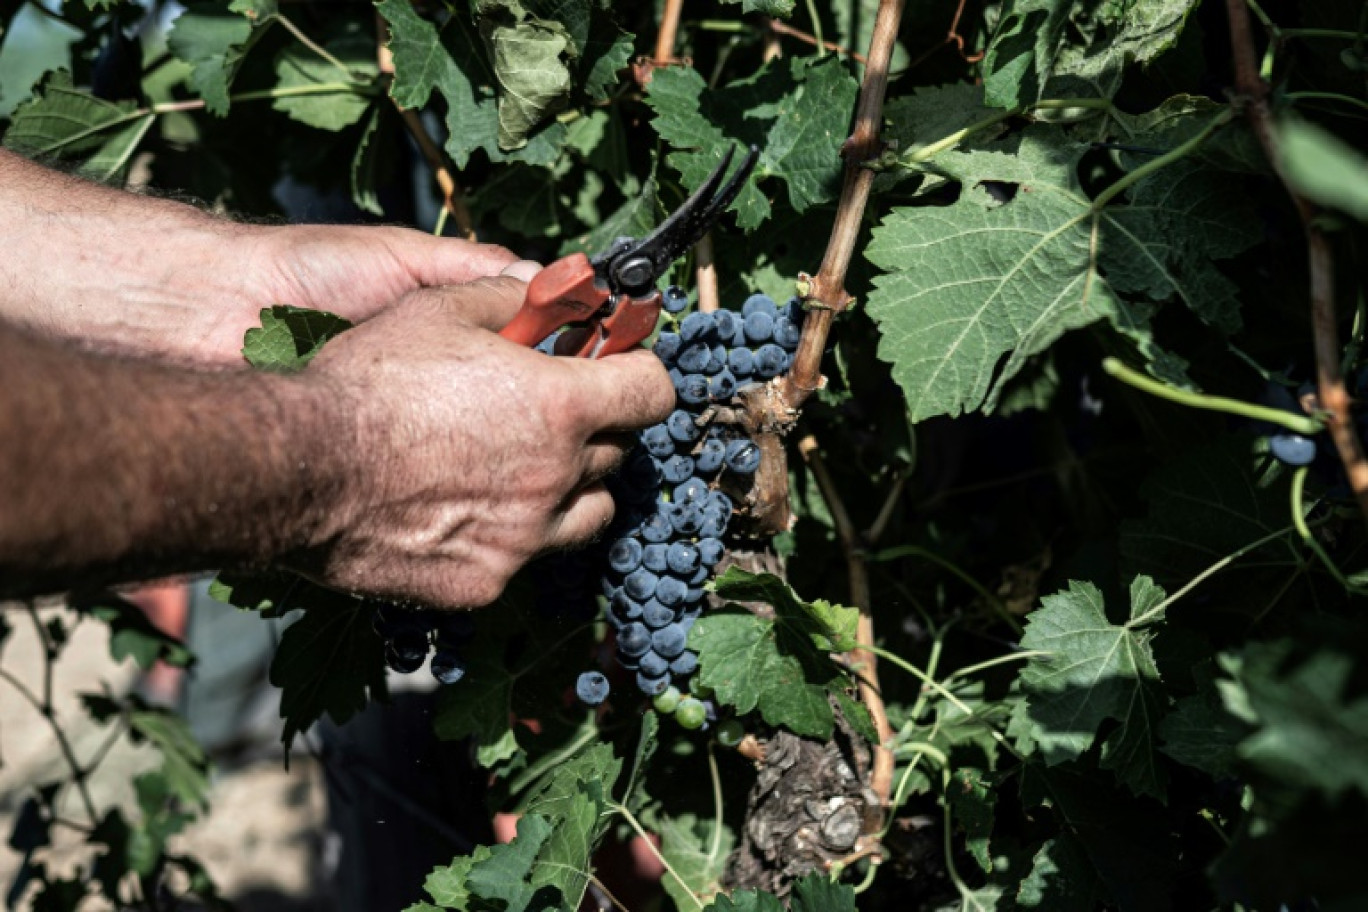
453	195
1252	97
881	777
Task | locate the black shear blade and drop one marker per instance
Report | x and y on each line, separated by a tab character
683	228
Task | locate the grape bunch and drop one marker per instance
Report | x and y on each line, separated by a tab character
672	513
410	635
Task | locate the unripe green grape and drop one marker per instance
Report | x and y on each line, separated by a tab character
730	733
666	701
699	689
690	713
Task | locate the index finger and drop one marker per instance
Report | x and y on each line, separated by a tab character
623	392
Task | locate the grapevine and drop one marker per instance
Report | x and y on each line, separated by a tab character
1005	548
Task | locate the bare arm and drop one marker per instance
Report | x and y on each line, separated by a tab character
113	469
419	457
116	271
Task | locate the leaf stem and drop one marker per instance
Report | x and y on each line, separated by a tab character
1328	96
944	693
313	45
646	838
716	844
1295	493
928	152
1301	424
1182	150
1208	572
816	28
993	663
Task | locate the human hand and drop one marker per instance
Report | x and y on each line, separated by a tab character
468	454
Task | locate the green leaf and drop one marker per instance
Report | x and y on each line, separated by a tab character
453	63
575	799
1061	879
1204	505
1094	671
329	661
185	767
1201	732
831	628
745	901
634	218
366	164
533	80
697	850
797	111
779	665
634	796
1323	168
298	67
213	40
972	800
974	289
606	54
481	708
289	337
816	892
1311	709
62	121
780	9
131	634
502	875
1127	840
1039	41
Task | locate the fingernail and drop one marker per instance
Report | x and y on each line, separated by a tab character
523	270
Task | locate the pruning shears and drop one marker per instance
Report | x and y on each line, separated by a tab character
614	294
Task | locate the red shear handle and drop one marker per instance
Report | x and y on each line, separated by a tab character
564	292
632	321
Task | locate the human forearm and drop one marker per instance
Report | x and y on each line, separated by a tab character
112	469
116	271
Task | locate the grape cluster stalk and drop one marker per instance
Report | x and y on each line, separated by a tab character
670	530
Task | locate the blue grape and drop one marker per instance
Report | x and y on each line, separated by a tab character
720	501
710	551
671	592
651	686
695	490
657	528
695	357
787	335
625	555
640	584
759	303
714	524
669	642
741	362
653	664
725	324
710	456
658	441
1292	449
677	469
447	666
674	300
655	557
685	665
717	360
592	688
655	615
682	427
624	606
682	558
696	326
633	639
667	346
693	390
743	457
722	385
700	574
686	519
759	327
769	361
